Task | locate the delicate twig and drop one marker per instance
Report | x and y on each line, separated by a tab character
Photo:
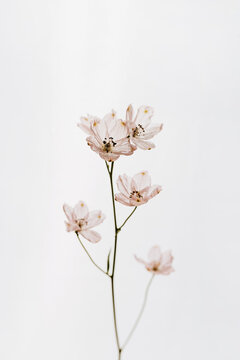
107	167
110	172
140	313
99	268
127	218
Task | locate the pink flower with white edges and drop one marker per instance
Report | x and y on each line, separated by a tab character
110	138
81	220
139	127
137	190
158	262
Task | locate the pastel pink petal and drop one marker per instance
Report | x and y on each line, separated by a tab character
166	270
108	156
118	129
142	180
91	235
154	254
124	147
137	203
144	115
129	114
71	226
80	210
154	190
140	260
167	258
94	142
68	212
142	144
124	184
152	131
85	128
94	218
123	200
108	118
99	129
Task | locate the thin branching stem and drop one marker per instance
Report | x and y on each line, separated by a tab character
97	266
140	312
120	228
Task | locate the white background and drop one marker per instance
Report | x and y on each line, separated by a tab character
62	59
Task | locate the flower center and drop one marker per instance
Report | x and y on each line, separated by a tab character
81	223
108	144
155	267
138	131
135	195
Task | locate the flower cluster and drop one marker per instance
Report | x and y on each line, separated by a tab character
111	136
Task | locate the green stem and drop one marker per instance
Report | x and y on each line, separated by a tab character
140	313
120	228
110	172
99	268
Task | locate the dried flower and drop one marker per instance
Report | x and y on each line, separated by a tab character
158	262
137	190
81	220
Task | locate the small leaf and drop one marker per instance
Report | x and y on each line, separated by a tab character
108	260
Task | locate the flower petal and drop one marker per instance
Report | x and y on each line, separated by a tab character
108	156
68	212
94	143
94	218
71	226
108	118
124	147
141	260
142	144
80	210
154	254
124	184
152	131
142	180
129	114
118	129
154	190
123	199
91	235
99	129
85	128
144	115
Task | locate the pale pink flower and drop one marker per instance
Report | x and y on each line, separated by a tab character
139	127
158	262
137	190
81	220
110	138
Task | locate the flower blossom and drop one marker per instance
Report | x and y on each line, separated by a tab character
158	262
137	190
81	220
109	136
139	127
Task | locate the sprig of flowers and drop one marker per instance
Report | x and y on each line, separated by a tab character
111	137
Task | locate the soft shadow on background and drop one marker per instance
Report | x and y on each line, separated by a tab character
63	59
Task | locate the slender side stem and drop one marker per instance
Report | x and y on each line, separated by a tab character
110	172
99	268
140	313
120	228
